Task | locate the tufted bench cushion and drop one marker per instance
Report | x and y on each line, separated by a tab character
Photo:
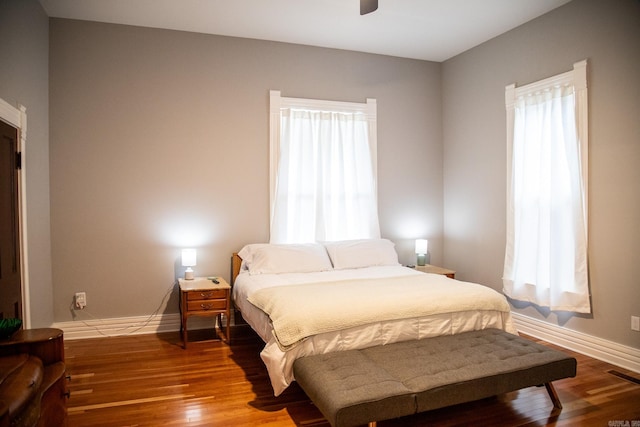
350	388
360	386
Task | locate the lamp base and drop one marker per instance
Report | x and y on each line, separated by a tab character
188	274
421	259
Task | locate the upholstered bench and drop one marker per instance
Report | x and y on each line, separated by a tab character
357	387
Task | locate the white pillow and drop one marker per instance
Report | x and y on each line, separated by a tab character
263	258
362	253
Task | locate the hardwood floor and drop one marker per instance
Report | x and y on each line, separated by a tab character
149	380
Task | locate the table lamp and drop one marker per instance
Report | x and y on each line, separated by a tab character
188	260
421	250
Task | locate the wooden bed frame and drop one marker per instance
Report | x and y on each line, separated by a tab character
236	263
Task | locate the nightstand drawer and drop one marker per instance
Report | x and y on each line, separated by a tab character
204	305
206	294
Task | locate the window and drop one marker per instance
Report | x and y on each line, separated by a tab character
323	170
546	250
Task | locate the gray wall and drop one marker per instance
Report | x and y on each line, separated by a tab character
608	35
24	53
159	141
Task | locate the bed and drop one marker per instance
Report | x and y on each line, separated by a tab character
318	298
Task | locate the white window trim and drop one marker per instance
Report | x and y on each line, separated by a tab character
277	102
17	117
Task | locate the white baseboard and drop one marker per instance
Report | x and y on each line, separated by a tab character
121	326
598	348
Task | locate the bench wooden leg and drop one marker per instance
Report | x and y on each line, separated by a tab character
553	395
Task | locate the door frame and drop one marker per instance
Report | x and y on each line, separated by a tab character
17	117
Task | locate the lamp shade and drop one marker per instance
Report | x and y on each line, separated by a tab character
188	257
422	246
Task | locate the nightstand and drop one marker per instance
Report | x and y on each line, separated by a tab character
203	297
428	268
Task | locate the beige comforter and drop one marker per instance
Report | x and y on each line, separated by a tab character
301	311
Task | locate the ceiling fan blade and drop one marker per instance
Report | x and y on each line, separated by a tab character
368	6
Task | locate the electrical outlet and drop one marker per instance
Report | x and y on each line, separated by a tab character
635	323
81	300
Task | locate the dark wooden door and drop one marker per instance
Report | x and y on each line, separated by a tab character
10	282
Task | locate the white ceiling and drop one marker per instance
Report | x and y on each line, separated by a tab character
433	30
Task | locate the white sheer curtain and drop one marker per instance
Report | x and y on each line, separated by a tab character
546	253
325	186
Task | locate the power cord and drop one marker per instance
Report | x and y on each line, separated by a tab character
137	327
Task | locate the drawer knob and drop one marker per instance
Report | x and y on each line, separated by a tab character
206	306
206	294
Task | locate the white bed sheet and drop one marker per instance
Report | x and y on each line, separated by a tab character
279	363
